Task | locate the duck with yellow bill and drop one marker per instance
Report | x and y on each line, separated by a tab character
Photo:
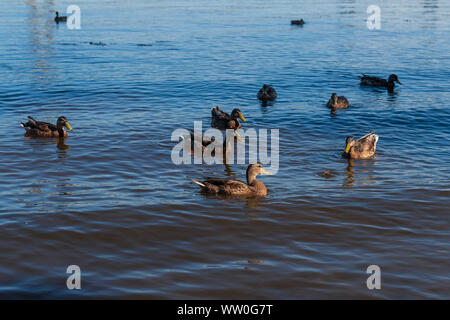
363	148
36	128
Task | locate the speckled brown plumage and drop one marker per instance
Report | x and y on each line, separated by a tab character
336	102
363	148
232	187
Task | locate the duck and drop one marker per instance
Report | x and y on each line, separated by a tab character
298	22
232	187
203	142
266	93
59	19
336	102
363	148
222	120
36	128
379	82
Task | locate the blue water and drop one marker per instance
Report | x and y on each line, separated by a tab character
110	200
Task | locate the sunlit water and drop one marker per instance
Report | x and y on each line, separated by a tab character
110	200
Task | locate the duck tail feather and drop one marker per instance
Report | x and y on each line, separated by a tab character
32	119
199	183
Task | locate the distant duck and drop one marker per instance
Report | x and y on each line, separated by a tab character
336	102
202	142
36	128
266	93
222	120
362	148
379	82
59	19
232	187
298	22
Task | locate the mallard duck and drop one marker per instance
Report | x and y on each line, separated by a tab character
232	187
266	93
298	22
336	102
59	19
222	120
362	148
379	82
45	129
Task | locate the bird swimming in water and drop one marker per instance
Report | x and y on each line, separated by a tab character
266	93
36	128
222	120
59	19
298	22
202	142
232	187
379	82
363	148
336	102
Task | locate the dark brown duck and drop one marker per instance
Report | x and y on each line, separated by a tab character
36	128
222	120
379	82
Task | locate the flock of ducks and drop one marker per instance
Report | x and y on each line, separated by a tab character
363	148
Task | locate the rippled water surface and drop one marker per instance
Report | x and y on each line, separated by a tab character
110	200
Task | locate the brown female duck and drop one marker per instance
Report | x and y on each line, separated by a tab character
36	128
232	187
379	82
336	102
363	148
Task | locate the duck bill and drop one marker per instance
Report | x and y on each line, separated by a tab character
264	171
67	125
242	117
398	81
347	149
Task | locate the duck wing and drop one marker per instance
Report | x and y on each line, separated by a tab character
38	125
219	114
229	186
367	145
373	81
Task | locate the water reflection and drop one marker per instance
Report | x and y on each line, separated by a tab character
62	147
349	180
41	28
37	144
366	179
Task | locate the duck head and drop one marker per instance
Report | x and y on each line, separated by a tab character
236	113
254	170
62	122
334	97
267	93
349	142
392	78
